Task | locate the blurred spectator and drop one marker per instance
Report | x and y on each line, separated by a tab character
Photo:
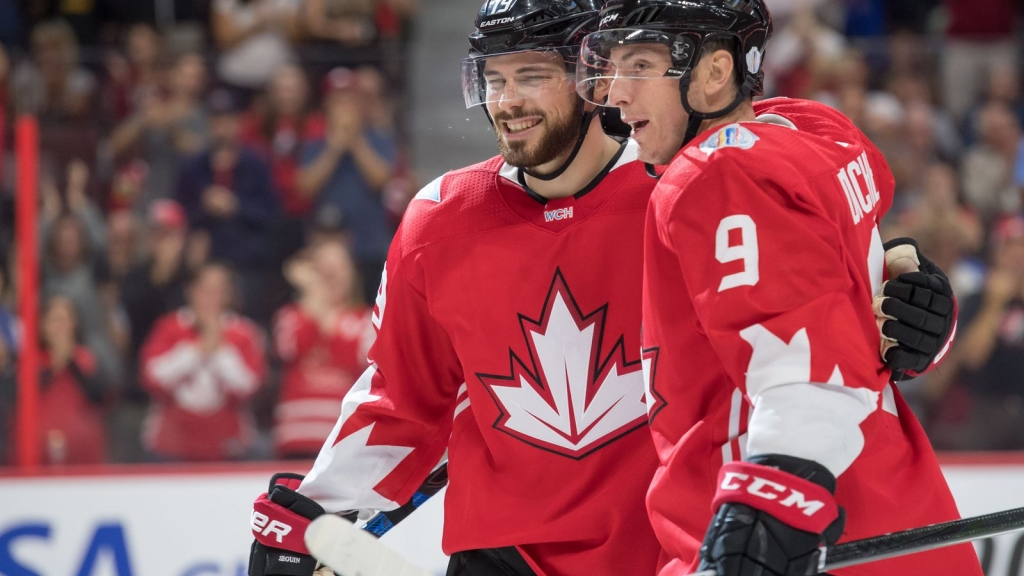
993	169
946	231
150	145
254	38
71	429
151	290
227	192
121	254
122	245
979	37
802	46
913	89
1003	86
200	365
82	16
72	240
322	338
991	351
349	22
350	166
278	128
134	80
53	85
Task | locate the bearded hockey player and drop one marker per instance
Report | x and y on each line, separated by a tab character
762	256
509	334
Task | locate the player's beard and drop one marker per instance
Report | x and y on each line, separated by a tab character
559	136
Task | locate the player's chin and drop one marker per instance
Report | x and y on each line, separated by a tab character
652	154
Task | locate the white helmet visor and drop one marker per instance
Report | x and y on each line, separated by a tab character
627	55
520	75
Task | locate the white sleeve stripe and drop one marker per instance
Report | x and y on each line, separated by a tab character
462	406
175	364
819	422
311	408
230	368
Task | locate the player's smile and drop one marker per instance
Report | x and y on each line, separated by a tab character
520	128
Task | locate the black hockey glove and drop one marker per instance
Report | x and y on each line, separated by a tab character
920	312
279	521
774	512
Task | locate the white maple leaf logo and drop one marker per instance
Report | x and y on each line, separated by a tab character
569	399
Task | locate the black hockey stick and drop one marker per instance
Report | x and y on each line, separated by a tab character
381	522
915	540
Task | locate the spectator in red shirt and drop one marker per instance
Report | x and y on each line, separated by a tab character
201	364
322	338
71	429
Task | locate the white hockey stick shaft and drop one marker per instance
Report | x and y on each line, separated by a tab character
350	551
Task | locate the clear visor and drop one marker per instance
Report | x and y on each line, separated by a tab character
523	75
613	58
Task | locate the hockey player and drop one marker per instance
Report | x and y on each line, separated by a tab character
508	325
762	256
509	334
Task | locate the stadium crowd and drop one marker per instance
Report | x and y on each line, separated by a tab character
220	181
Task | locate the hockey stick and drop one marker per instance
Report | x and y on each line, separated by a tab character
351	551
915	540
381	522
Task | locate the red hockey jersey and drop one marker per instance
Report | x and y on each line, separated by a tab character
320	366
199	409
509	335
762	255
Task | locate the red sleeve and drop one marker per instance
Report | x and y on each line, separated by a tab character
771	279
295	333
397	418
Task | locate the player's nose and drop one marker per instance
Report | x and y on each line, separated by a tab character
508	101
620	92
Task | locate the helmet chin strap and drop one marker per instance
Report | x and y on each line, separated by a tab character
697	118
584	129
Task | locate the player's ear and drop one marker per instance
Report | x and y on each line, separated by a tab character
719	70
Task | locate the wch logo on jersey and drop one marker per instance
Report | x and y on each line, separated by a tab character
559	214
567	396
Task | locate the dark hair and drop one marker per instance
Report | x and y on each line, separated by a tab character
233	282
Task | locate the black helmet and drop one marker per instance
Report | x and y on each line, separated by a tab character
747	22
686	27
513	25
505	26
